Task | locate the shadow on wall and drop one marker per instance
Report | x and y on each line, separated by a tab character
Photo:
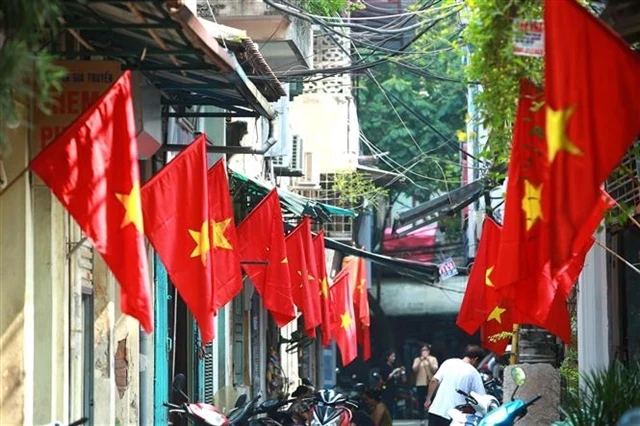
12	372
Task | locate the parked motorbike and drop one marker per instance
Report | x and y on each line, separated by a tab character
509	413
332	408
475	408
202	414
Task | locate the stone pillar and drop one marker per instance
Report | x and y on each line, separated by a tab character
542	379
593	311
51	306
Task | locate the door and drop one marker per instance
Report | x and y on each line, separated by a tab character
161	344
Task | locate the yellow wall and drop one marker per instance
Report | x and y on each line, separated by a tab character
16	285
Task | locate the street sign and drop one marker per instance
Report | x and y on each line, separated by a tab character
528	38
447	269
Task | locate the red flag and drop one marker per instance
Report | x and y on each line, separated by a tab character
304	275
485	306
361	306
227	274
325	301
592	118
480	297
523	272
176	214
92	168
343	323
261	238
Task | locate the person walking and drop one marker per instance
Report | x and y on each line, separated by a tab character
389	376
424	367
453	374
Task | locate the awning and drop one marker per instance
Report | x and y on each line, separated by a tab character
299	206
292	203
444	205
407	297
173	49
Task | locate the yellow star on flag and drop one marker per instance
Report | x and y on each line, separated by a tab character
557	139
285	260
487	277
219	240
531	203
496	314
132	207
324	288
345	320
203	244
309	276
361	286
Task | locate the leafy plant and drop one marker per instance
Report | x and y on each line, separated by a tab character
604	396
23	25
492	63
331	7
356	190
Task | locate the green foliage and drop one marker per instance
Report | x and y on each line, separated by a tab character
503	335
430	161
23	25
569	369
605	395
489	35
357	190
452	226
330	7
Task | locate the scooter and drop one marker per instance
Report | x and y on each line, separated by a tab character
509	413
202	414
332	408
476	407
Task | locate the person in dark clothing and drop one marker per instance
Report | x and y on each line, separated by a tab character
389	376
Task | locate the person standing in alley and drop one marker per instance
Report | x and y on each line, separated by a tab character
453	374
424	367
389	376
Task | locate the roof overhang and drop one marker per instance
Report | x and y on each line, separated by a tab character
444	205
291	203
408	297
171	46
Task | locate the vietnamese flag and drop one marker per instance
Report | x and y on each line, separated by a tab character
325	301
481	302
227	274
176	214
485	306
523	272
361	306
343	327
592	107
305	289
261	239
92	168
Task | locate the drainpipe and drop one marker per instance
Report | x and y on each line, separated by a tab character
144	343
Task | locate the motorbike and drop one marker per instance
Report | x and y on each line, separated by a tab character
475	408
203	414
504	415
331	408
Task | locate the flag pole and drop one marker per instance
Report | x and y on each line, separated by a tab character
515	341
631	218
622	259
14	180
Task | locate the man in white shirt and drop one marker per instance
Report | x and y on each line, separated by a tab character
453	374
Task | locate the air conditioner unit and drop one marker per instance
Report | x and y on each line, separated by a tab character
297	153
